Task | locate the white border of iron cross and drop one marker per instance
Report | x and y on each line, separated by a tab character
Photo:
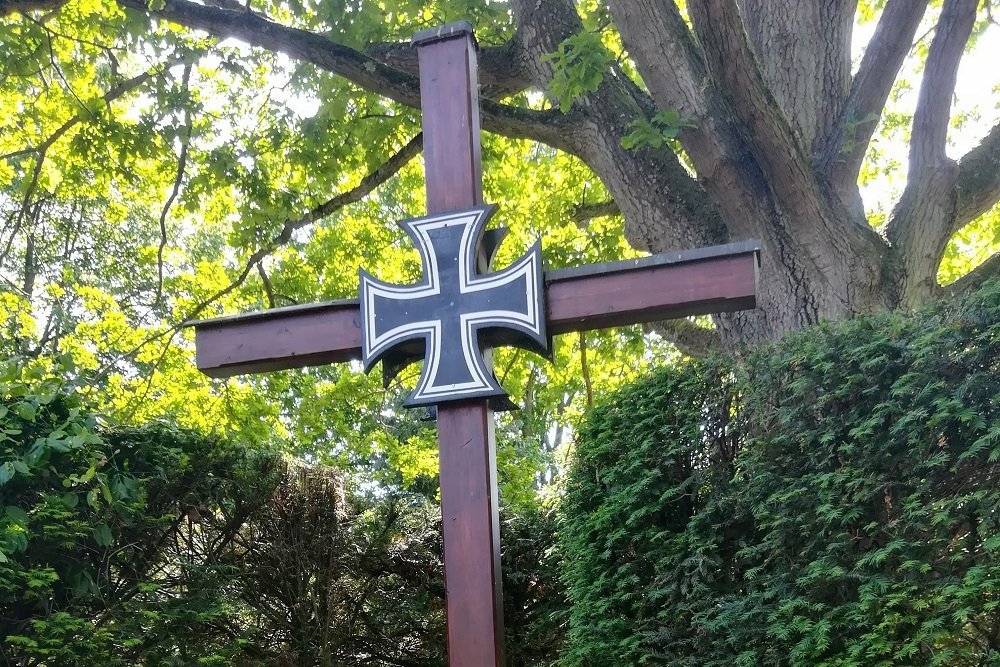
455	311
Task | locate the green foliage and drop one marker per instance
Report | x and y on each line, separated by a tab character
99	259
654	133
640	474
535	604
160	546
831	501
94	568
579	65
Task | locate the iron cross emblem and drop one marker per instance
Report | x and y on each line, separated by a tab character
455	311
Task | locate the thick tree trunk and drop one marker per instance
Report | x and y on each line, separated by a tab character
818	261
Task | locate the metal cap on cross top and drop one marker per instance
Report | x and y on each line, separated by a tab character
446	31
461	306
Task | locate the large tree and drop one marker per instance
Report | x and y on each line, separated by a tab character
771	123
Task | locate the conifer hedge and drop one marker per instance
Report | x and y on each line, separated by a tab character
833	499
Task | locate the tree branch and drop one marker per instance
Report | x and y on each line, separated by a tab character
582	213
974	279
845	148
772	143
978	186
734	66
545	126
299	44
502	69
930	119
668	59
688	337
662	204
268	289
805	58
921	223
175	190
113	94
8	7
383	173
41	149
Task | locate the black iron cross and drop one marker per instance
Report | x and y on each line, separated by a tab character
452	312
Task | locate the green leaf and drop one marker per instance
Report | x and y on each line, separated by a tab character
16	514
102	535
25	411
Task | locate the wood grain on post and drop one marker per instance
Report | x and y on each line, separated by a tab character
449	101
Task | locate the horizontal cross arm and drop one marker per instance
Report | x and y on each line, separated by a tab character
695	282
280	338
716	279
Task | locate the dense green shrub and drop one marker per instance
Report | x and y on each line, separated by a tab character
157	546
534	600
98	556
844	509
646	458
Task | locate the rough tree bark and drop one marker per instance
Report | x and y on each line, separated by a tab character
777	130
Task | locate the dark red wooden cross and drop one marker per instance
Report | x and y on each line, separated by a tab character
702	281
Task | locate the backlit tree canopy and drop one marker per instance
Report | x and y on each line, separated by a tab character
165	160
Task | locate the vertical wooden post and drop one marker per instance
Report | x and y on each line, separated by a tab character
449	99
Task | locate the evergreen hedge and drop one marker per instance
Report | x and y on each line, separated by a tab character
831	500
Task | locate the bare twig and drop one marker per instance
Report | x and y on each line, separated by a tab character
178	179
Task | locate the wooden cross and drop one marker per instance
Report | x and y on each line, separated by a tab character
654	288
